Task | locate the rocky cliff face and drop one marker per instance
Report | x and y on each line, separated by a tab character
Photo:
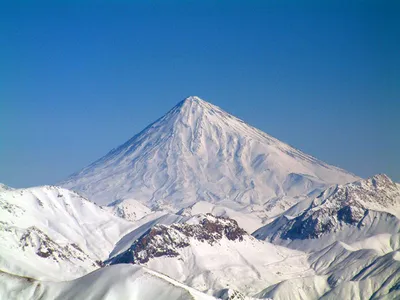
162	240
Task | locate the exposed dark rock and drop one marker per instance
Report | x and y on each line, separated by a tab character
230	294
335	208
45	247
162	240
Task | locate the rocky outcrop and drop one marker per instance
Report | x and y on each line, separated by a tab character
33	239
162	240
337	207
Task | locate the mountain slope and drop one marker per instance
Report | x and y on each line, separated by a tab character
352	234
51	233
343	273
197	152
212	254
113	282
349	213
128	209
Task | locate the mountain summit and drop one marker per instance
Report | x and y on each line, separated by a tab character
197	152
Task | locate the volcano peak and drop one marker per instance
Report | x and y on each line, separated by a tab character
197	151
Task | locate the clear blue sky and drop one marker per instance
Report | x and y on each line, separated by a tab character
77	80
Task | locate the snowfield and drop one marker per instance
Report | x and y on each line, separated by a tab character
126	282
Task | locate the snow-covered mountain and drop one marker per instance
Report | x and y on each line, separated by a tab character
352	233
177	205
345	243
343	272
347	213
211	254
51	233
351	238
198	152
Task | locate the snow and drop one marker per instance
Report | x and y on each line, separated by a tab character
343	273
382	243
126	282
4	187
37	220
312	287
128	209
169	199
247	221
126	241
245	264
349	262
354	256
198	152
350	213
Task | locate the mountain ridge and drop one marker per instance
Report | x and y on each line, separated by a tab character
349	212
51	233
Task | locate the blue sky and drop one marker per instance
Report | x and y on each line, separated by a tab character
77	80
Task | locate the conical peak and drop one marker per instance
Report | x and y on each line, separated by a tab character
193	100
193	111
190	149
194	105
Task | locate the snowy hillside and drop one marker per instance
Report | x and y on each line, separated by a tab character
114	282
52	238
51	233
347	213
198	152
345	273
352	234
128	209
212	254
